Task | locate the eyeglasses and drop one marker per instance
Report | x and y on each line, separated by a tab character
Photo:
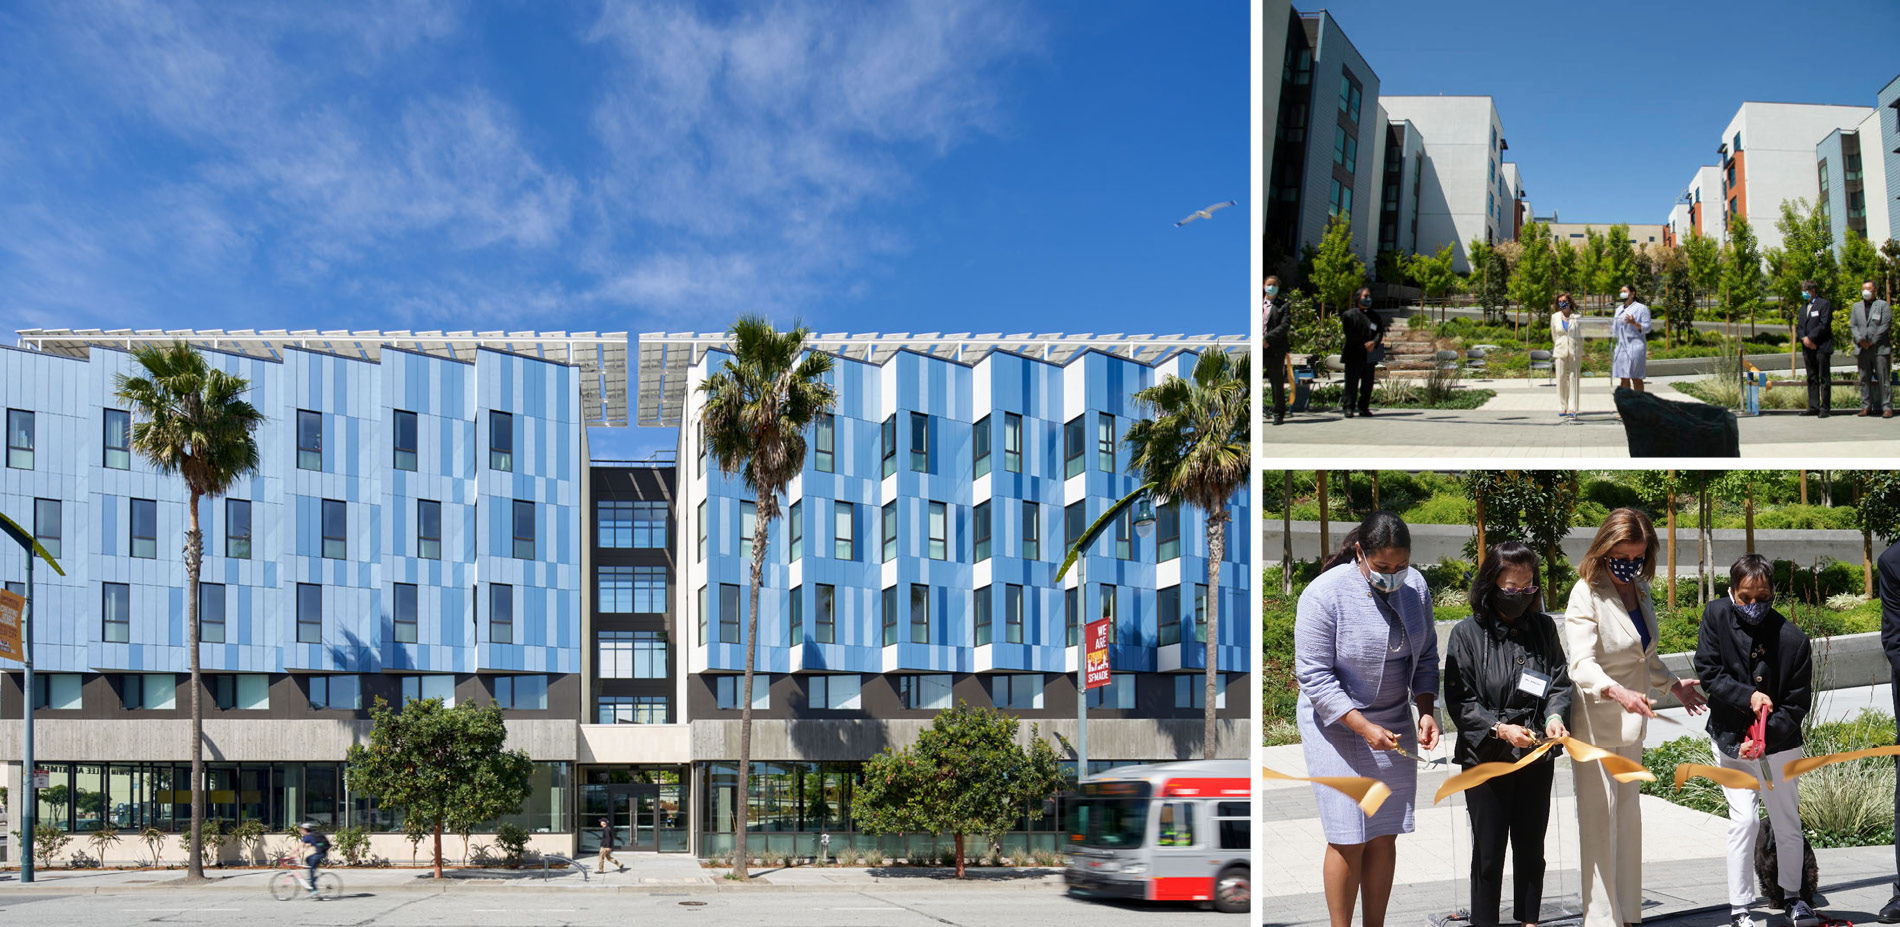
1517	590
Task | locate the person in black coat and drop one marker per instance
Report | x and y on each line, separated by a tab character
1889	578
1359	353
1815	328
1276	325
1750	660
1507	685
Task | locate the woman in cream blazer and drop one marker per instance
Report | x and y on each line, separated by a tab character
1610	640
1566	336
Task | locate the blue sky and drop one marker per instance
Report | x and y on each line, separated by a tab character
924	166
1610	106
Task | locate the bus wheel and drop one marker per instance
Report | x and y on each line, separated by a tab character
1233	890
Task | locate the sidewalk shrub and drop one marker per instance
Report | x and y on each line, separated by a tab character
250	836
352	843
102	839
47	842
153	838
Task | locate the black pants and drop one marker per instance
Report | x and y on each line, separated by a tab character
1276	376
1358	392
1820	378
1895	670
1514	808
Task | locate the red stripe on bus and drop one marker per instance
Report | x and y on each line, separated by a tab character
1207	788
1181	888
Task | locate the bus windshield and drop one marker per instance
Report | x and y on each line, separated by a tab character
1108	823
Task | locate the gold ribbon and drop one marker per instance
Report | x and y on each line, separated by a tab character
1720	775
1368	792
1621	768
1808	764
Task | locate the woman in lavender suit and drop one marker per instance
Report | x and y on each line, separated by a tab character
1366	654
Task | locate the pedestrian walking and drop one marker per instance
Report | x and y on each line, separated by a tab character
1566	336
1631	328
607	848
1361	353
1276	324
1366	656
1610	635
1506	686
1816	331
1756	664
1871	323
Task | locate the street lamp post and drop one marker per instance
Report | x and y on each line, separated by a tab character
1144	525
30	800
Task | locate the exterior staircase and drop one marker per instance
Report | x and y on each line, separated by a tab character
1408	351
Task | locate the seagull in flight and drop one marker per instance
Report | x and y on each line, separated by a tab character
1207	213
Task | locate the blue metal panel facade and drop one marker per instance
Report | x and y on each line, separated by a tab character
356	401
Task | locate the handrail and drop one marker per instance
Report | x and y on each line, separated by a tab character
550	857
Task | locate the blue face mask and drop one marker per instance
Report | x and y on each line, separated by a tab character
1273	289
1383	582
1753	612
1625	570
1806	295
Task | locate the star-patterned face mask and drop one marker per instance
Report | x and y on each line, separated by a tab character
1624	569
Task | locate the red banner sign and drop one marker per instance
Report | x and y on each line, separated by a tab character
1095	660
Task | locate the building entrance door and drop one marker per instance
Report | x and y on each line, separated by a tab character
631	809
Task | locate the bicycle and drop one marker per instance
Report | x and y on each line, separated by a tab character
287	883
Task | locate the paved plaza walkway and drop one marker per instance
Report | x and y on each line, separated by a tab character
1521	422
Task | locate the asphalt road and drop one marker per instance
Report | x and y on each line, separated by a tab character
976	908
1432	543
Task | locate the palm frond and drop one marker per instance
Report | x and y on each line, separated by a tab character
190	419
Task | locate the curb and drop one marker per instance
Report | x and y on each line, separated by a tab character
478	886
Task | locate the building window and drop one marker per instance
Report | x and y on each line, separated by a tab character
1168	616
343	693
632	654
57	691
428	529
524	530
440	686
47	529
1118	694
651	524
501	441
924	693
1072	615
405	440
1105	442
939	528
1012	614
920	442
748	529
1168	532
144	527
728	613
336	524
146	691
980	530
729	691
843	545
631	709
919	613
888	617
118	439
501	613
703	613
795	531
614	520
1339	201
890	531
1125	535
700	527
1012	442
237	529
1075	522
980	447
1107	594
825	623
309	613
699	438
239	691
834	693
1032	531
1346	150
825	443
115	613
309	440
1200	613
521	693
980	615
1018	691
1350	96
795	612
405	612
1190	691
649	590
1074	444
888	434
211	613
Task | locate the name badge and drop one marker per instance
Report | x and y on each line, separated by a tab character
1533	683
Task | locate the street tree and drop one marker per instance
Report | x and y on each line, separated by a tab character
1530	506
965	776
1435	275
1534	279
1859	264
1196	449
1591	267
1619	260
1702	261
1806	253
443	768
1743	285
191	421
1490	278
1337	270
758	408
1569	261
1890	270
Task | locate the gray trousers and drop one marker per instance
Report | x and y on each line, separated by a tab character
1876	377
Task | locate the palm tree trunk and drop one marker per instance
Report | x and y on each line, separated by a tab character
761	518
1216	549
194	561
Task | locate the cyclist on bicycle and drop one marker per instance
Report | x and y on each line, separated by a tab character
319	850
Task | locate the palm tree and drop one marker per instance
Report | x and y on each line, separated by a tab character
757	409
194	422
1196	449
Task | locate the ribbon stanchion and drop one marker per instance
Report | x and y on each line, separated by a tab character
1622	768
1368	792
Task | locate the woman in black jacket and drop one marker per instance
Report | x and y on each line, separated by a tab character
1507	686
1360	353
1276	325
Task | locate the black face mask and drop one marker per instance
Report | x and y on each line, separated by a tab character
1511	606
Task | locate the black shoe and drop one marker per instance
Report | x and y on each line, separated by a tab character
1822	414
1802	915
1279	419
1891	913
1348	413
1810	412
1365	411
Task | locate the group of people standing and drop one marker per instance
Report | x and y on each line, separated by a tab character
1870	325
1360	353
1369	672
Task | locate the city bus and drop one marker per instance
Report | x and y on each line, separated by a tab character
1164	832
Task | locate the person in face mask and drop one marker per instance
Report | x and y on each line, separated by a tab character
1506	686
1752	660
1631	330
1610	635
1871	323
1361	353
1366	656
1566	335
1815	328
1276	324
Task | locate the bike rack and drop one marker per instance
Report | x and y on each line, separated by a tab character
547	858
